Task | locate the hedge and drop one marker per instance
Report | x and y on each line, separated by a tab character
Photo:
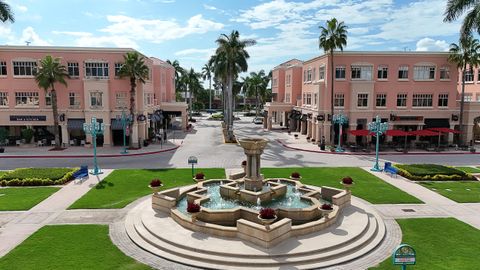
432	172
37	176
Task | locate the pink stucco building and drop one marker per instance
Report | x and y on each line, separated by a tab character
93	90
410	90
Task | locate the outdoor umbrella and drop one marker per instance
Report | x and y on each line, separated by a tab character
397	132
443	130
360	132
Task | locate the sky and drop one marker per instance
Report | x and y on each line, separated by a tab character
186	30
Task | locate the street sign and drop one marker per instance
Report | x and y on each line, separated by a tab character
404	255
192	160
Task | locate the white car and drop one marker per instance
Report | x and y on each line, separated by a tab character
258	121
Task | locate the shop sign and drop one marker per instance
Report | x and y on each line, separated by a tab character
32	118
408	118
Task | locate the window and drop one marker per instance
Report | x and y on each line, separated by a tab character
403	72
309	75
382	73
315	99
3	68
304	98
96	99
468	97
73	100
96	70
313	74
118	66
3	99
287	98
339	100
24	68
274	82
121	100
362	73
48	99
340	73
423	73
288	79
26	99
422	100
402	100
443	100
444	73
148	99
304	76
73	70
468	75
381	100
321	73
309	98
362	100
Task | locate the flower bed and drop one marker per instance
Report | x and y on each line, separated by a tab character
432	172
37	176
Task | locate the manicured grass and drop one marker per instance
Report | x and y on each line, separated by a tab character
367	186
15	199
69	247
460	191
440	243
122	187
432	172
40	173
468	169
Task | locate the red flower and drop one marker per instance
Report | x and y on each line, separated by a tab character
155	183
295	175
267	213
199	175
347	180
326	206
193	207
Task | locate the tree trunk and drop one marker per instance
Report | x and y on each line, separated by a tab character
230	137
210	94
190	101
461	136
332	108
55	118
256	102
133	85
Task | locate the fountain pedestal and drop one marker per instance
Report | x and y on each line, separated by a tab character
253	148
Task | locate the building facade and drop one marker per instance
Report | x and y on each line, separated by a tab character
94	89
409	90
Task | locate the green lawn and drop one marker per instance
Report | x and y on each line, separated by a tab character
468	169
23	198
432	172
367	186
122	187
460	191
69	247
440	243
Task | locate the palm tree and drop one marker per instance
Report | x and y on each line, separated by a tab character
6	13
178	73
471	22
332	37
191	79
465	54
207	75
136	70
257	87
232	57
48	73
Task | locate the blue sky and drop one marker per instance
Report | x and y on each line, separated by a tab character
186	29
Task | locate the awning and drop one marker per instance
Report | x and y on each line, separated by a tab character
116	125
75	124
360	132
424	132
396	132
445	130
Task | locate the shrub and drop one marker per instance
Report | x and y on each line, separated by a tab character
193	207
432	172
326	206
27	134
295	175
37	177
200	175
347	180
155	183
244	163
3	136
267	213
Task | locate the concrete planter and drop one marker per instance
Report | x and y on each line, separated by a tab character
155	189
266	222
347	186
325	212
296	179
198	180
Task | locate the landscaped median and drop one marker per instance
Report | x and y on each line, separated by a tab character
432	172
37	176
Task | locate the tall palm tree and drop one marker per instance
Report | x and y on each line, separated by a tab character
6	14
136	70
207	75
471	22
231	54
48	73
220	78
178	73
333	36
191	79
464	55
257	87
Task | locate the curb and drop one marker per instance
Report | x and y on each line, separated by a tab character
90	156
373	154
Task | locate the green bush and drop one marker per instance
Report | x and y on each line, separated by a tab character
37	176
27	134
431	172
3	136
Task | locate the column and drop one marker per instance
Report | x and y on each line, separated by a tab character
304	127
450	135
314	130
134	134
65	136
350	137
270	117
318	132
107	136
326	132
469	133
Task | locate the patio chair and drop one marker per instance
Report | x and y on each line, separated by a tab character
72	143
52	143
39	143
18	142
82	142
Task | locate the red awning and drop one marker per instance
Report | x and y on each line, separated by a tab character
360	132
424	132
396	132
445	130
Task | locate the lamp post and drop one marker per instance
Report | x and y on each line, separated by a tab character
378	128
125	120
339	119
94	129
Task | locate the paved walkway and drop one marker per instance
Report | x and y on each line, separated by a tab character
23	224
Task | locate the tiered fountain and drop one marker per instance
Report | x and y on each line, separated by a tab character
303	234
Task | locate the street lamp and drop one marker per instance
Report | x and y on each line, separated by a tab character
378	128
94	128
125	120
339	119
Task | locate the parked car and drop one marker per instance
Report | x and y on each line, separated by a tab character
258	121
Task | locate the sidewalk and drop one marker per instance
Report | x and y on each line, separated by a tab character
26	223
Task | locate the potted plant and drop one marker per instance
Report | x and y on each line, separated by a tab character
199	177
193	209
155	185
267	216
326	209
3	138
347	182
295	176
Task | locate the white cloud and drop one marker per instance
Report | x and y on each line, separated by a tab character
86	39
22	8
29	34
428	44
208	7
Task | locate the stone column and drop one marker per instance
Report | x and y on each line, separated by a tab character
468	133
318	132
350	137
107	136
134	134
65	136
253	148
326	132
450	135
